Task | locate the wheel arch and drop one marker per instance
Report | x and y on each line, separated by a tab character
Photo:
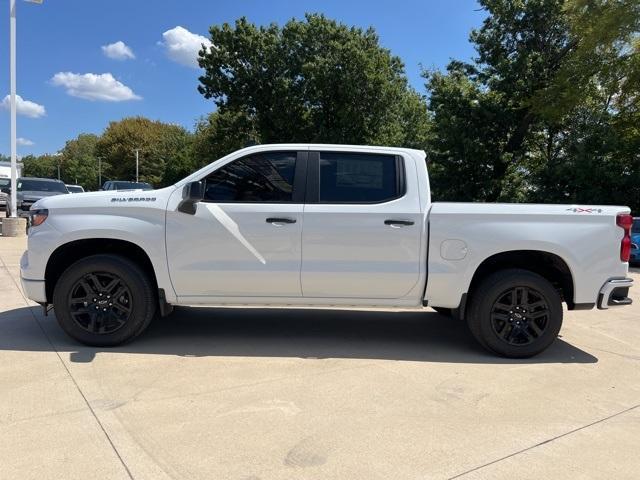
548	265
67	254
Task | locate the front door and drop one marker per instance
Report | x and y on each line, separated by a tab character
245	237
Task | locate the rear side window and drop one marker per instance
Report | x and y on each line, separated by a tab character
266	177
359	178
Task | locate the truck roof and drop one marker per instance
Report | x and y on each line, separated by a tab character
337	146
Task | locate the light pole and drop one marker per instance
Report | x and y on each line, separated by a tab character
58	157
137	164
99	173
12	76
12	81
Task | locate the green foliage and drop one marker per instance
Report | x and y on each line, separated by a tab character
469	133
600	57
220	134
80	163
162	150
315	80
548	111
45	166
77	163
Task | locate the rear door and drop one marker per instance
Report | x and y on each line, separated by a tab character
362	226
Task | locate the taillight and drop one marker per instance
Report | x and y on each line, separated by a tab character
625	221
39	216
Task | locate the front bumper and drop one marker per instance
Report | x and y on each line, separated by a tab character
615	293
34	290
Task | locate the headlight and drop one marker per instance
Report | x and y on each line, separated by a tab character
39	216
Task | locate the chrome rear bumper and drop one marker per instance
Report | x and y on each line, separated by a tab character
615	293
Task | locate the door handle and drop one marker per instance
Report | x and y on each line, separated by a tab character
280	220
398	223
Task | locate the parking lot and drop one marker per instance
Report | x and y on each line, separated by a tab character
313	394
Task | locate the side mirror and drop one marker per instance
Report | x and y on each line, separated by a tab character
191	194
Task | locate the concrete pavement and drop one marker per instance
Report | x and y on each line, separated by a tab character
312	394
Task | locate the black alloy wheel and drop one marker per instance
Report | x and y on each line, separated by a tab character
520	316
100	303
515	313
105	300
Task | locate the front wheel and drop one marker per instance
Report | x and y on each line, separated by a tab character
515	313
104	300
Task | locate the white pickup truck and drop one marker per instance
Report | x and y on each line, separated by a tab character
328	226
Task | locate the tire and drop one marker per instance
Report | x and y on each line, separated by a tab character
122	310
515	313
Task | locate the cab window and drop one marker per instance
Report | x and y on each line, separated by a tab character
260	178
359	178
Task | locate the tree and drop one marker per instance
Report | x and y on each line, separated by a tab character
79	161
162	150
219	134
309	81
550	100
469	130
44	166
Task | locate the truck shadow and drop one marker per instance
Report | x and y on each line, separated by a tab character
301	333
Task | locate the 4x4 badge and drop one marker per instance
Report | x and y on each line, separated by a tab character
584	210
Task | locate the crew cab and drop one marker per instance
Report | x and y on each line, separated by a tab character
328	226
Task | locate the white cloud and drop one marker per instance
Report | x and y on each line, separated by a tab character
118	51
24	107
93	86
25	142
182	46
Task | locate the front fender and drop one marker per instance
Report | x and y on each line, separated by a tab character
144	228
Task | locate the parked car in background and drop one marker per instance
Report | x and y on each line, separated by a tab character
31	189
635	241
124	185
75	188
5	183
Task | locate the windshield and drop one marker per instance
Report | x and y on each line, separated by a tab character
26	185
636	225
75	189
5	182
131	186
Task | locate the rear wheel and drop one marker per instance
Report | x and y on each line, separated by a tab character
104	300
515	313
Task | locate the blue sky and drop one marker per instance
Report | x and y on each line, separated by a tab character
63	69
